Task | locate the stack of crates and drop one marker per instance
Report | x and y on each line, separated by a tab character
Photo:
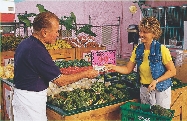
134	111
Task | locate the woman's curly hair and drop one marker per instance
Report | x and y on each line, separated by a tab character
151	24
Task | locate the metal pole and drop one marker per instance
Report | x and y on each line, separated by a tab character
118	34
165	25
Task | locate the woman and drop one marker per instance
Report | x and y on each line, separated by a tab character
154	64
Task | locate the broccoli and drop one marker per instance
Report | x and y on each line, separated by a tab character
49	98
157	109
68	105
63	94
120	86
98	93
98	87
57	102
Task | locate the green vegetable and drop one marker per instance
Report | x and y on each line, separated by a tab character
157	109
97	94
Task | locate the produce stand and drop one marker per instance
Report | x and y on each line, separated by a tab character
104	111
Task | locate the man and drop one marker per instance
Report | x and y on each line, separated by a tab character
34	69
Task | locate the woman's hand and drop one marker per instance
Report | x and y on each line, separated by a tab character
109	66
152	86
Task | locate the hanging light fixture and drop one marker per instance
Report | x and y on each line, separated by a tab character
133	9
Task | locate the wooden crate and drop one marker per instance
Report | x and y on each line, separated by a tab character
111	112
66	54
79	51
176	118
184	107
179	103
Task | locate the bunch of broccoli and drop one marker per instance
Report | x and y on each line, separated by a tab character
157	109
97	94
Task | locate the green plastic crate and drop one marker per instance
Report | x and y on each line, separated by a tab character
133	111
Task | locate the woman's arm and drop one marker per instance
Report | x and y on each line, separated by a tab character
171	71
121	69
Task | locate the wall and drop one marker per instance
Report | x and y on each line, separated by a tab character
101	13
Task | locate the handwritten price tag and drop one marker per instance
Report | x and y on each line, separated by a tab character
101	57
87	56
9	61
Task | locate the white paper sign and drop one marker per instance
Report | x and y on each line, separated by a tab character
9	61
58	60
87	56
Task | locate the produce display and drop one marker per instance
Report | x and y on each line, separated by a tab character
10	43
106	89
86	94
73	66
97	94
7	72
69	42
58	45
82	41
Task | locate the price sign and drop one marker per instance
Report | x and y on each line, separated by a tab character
58	60
9	61
101	57
87	56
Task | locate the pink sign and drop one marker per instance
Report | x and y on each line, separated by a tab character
101	57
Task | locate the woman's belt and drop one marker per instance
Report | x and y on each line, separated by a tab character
145	85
